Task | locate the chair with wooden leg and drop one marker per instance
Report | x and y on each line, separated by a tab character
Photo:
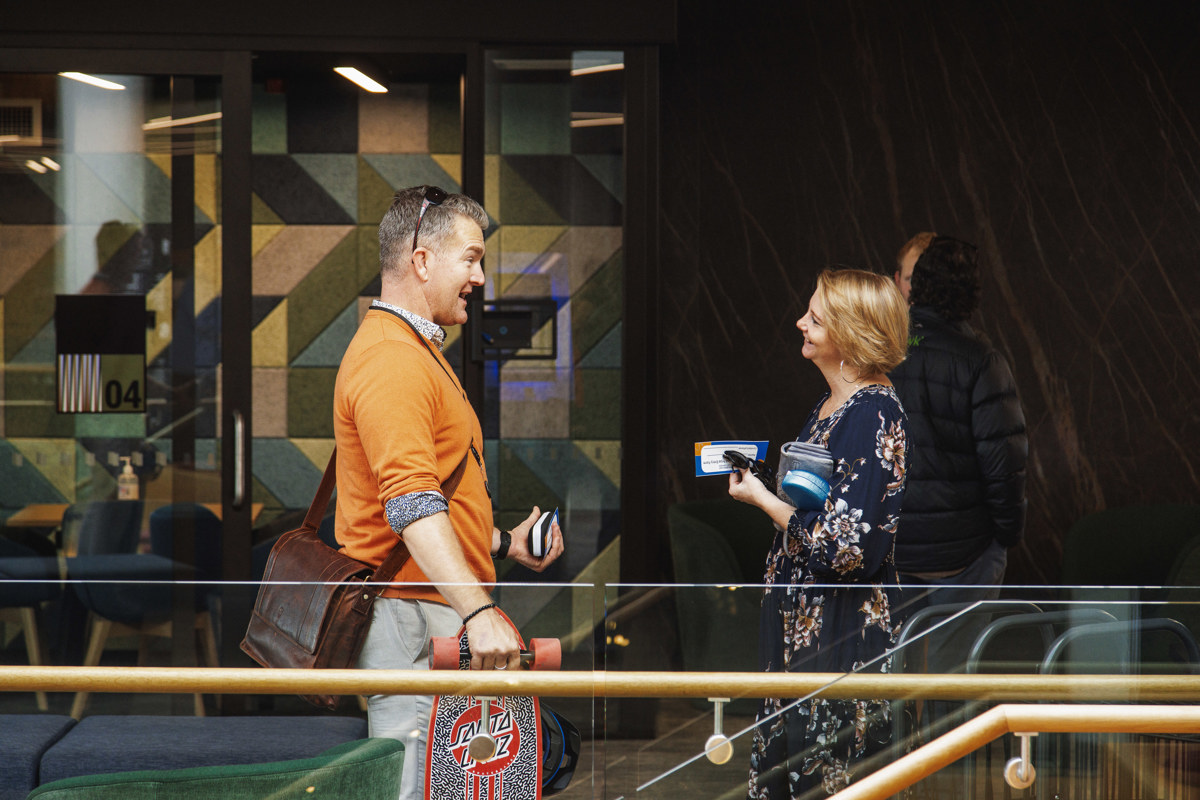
134	594
28	580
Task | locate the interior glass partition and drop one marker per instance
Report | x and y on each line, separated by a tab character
549	326
1083	636
110	298
1122	649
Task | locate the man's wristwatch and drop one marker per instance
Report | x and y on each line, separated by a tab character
505	542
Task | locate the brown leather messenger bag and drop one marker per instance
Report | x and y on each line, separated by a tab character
314	604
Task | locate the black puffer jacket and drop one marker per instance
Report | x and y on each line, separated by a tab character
967	448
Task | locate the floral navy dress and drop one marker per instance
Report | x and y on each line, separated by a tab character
830	602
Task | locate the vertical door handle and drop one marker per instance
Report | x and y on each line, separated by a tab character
239	459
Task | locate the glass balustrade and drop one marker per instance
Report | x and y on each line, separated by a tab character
674	689
1106	648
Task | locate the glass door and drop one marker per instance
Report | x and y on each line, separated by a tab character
549	328
110	384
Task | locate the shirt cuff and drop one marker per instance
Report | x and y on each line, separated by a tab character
405	510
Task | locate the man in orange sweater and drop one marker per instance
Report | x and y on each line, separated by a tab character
410	463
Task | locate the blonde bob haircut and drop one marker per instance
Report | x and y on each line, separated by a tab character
866	317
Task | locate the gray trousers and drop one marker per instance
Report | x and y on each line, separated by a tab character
399	639
980	580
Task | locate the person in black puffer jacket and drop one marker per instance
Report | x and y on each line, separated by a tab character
965	503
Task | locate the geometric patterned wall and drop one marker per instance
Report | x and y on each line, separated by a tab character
327	159
554	428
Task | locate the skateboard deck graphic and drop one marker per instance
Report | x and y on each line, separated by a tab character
514	772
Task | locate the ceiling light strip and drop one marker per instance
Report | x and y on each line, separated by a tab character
366	82
168	122
92	80
597	122
597	68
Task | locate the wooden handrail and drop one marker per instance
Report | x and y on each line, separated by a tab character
253	680
883	783
993	724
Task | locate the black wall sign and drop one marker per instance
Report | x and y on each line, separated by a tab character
101	347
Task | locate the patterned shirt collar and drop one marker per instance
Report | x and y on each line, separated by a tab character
429	330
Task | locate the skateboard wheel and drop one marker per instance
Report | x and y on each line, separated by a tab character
547	653
443	652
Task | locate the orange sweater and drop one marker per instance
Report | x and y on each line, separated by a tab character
402	425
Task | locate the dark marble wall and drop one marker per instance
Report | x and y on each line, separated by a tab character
1062	138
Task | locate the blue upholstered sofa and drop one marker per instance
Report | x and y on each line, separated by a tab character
39	748
365	769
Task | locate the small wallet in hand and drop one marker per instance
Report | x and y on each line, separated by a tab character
758	469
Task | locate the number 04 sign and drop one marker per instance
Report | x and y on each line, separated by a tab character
101	345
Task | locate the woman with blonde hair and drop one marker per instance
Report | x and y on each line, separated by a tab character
830	601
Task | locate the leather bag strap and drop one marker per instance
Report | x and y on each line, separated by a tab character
399	555
321	499
392	564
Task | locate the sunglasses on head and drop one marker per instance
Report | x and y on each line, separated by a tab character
758	469
433	197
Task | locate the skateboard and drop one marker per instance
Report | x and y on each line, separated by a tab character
501	760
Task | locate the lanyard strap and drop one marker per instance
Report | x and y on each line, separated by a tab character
428	349
457	385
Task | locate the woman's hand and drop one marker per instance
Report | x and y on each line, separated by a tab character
746	488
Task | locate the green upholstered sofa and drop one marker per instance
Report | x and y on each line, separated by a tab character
365	769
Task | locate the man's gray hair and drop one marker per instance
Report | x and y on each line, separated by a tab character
397	226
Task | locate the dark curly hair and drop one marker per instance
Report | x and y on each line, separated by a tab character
946	279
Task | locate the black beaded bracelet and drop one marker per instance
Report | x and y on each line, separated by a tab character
479	610
505	543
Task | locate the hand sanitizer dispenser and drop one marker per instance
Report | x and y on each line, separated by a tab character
127	482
